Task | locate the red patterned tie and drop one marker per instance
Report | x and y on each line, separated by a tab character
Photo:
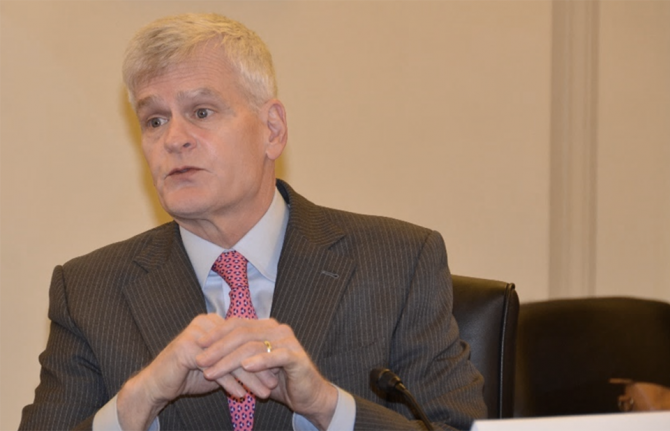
232	267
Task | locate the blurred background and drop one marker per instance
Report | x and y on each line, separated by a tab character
533	135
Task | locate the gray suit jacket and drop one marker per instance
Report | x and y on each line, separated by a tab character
359	292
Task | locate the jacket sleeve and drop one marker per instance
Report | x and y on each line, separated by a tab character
71	387
428	354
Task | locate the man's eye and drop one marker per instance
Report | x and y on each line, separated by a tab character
156	122
202	113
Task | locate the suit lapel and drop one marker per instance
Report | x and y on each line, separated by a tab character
310	283
163	303
168	297
311	279
311	276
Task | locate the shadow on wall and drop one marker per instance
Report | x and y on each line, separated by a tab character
133	131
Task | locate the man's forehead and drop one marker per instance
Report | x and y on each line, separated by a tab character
206	67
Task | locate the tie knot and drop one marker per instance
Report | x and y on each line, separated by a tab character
232	267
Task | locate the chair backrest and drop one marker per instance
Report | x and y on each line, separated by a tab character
486	312
567	350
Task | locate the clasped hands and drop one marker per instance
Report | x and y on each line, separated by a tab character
212	352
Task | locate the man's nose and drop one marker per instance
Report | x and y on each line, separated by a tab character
177	137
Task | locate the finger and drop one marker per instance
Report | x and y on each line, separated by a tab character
269	377
237	333
225	357
185	346
217	328
207	322
240	381
279	358
284	352
253	382
200	326
236	329
260	383
230	384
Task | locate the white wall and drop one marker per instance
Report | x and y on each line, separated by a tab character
633	247
433	112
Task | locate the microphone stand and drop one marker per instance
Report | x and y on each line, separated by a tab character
387	381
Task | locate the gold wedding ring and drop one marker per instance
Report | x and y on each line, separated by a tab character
268	346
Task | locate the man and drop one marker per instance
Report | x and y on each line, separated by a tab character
255	308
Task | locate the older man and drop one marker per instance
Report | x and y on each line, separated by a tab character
255	308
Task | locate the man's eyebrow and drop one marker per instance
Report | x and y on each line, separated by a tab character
181	97
142	103
207	92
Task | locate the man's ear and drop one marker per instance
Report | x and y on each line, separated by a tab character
275	117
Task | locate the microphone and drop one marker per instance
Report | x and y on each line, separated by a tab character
387	381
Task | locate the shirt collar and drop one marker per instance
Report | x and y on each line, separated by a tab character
261	246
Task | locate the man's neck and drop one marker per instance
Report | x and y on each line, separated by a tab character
227	229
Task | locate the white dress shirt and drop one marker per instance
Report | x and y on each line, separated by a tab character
261	246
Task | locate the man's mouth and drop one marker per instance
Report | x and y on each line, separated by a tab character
182	170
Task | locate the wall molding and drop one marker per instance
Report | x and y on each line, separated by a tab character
573	188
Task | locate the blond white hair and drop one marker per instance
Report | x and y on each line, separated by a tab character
167	41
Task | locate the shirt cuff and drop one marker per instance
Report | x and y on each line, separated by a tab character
107	419
343	418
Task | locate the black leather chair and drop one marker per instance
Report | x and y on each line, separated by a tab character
486	312
567	350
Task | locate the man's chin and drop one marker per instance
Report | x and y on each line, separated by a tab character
184	215
184	210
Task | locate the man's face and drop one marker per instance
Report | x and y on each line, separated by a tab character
210	153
